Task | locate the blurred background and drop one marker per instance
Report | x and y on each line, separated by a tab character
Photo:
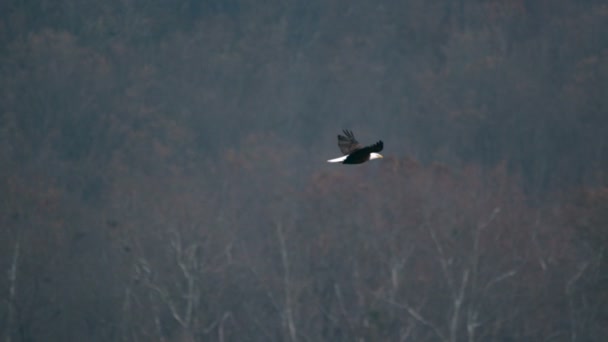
163	170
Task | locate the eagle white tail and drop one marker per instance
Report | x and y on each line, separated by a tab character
337	160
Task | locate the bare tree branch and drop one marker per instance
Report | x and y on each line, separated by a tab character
12	277
342	308
472	313
442	259
569	291
288	309
221	327
458	299
418	317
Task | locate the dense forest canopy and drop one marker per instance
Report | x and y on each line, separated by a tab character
163	175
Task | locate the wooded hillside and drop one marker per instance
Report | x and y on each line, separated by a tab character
163	170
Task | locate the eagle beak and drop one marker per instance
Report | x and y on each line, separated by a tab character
380	156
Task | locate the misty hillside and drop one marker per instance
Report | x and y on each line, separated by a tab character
163	170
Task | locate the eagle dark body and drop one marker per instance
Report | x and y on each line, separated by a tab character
355	152
362	155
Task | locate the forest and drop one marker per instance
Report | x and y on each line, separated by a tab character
163	171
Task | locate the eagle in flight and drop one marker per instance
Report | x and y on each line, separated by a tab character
353	152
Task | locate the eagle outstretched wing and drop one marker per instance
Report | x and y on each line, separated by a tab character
347	142
377	147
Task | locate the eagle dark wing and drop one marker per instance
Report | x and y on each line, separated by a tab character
347	142
377	147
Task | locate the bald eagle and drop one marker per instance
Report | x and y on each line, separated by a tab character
353	152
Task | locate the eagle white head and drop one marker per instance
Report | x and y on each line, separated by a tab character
375	155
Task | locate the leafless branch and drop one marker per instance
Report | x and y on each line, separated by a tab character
221	327
576	277
442	259
12	276
288	310
458	299
418	317
342	308
472	313
499	278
